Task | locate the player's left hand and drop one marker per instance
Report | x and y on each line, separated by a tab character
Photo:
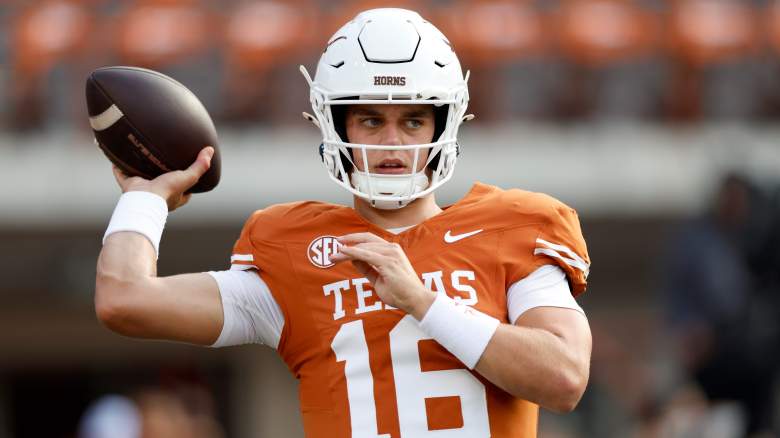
388	269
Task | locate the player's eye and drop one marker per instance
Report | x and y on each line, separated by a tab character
414	123
370	122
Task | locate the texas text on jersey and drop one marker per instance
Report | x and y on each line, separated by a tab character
365	368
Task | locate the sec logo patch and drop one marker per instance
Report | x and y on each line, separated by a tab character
321	249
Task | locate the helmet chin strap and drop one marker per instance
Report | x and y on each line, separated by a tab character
389	185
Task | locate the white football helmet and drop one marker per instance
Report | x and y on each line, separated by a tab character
388	56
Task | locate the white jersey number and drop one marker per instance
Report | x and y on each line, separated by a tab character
412	386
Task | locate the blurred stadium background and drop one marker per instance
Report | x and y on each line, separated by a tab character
656	119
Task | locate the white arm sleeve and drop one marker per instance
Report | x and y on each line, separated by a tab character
251	315
545	287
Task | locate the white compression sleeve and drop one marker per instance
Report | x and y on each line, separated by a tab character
251	314
545	287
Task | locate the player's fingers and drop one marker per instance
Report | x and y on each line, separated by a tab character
126	182
184	199
202	162
119	175
367	270
354	238
341	256
391	251
178	201
384	248
179	181
192	174
355	253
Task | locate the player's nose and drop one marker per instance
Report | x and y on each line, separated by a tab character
391	135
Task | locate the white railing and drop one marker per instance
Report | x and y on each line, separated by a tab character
60	177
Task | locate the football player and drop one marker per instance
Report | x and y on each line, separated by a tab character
400	318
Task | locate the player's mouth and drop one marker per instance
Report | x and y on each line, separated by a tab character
391	166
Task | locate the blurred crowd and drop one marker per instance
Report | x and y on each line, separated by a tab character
717	362
552	60
152	412
705	363
722	301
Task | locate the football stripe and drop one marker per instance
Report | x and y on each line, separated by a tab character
242	258
106	119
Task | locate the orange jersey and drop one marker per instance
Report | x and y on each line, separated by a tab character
366	369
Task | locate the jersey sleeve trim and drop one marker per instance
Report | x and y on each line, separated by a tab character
265	253
555	250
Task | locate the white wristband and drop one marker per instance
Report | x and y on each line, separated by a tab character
141	212
463	331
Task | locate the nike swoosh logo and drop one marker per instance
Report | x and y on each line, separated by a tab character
449	238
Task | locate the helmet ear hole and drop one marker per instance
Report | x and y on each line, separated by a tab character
440	114
346	163
434	163
339	114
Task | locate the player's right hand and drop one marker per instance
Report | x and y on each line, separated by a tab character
171	186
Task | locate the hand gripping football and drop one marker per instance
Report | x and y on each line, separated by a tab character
148	124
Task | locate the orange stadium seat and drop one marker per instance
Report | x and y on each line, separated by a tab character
156	33
772	26
501	42
175	37
613	47
35	54
66	24
260	34
711	31
493	31
263	38
603	32
714	42
771	22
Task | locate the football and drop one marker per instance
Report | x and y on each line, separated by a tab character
147	123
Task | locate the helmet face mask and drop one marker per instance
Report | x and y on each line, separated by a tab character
388	56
